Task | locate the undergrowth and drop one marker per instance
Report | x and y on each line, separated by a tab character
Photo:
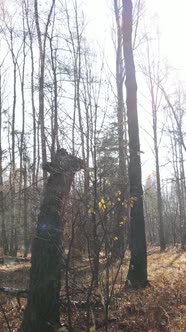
161	307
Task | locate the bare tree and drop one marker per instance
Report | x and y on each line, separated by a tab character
153	80
29	26
176	131
2	211
120	227
42	57
9	35
137	274
54	117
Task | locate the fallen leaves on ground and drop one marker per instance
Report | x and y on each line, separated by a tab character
158	308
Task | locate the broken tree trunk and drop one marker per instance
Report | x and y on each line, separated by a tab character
42	311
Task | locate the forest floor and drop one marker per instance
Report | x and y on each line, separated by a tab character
161	307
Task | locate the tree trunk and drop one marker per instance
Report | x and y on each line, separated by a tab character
2	210
154	105
42	313
120	228
34	179
159	199
137	274
13	250
95	239
41	87
182	187
54	117
42	53
25	211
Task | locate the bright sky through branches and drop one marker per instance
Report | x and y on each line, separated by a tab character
171	21
166	16
172	25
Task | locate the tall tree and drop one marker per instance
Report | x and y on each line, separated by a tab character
14	56
150	207
122	146
30	36
176	132
153	78
42	58
137	274
2	208
176	115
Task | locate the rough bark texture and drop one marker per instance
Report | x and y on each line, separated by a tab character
137	274
42	311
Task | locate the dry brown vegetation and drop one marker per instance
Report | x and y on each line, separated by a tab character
158	308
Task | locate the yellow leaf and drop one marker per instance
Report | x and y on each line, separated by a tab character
92	329
99	205
102	204
115	238
90	211
118	193
125	205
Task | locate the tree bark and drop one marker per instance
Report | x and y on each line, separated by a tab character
42	313
34	178
54	117
13	245
2	210
154	104
137	274
120	228
42	55
25	212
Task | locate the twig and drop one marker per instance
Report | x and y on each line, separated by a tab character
5	317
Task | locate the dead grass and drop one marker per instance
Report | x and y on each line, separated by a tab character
162	306
158	308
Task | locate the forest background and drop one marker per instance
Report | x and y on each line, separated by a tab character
62	76
80	104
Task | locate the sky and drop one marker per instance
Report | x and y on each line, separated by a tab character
172	25
169	15
171	20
